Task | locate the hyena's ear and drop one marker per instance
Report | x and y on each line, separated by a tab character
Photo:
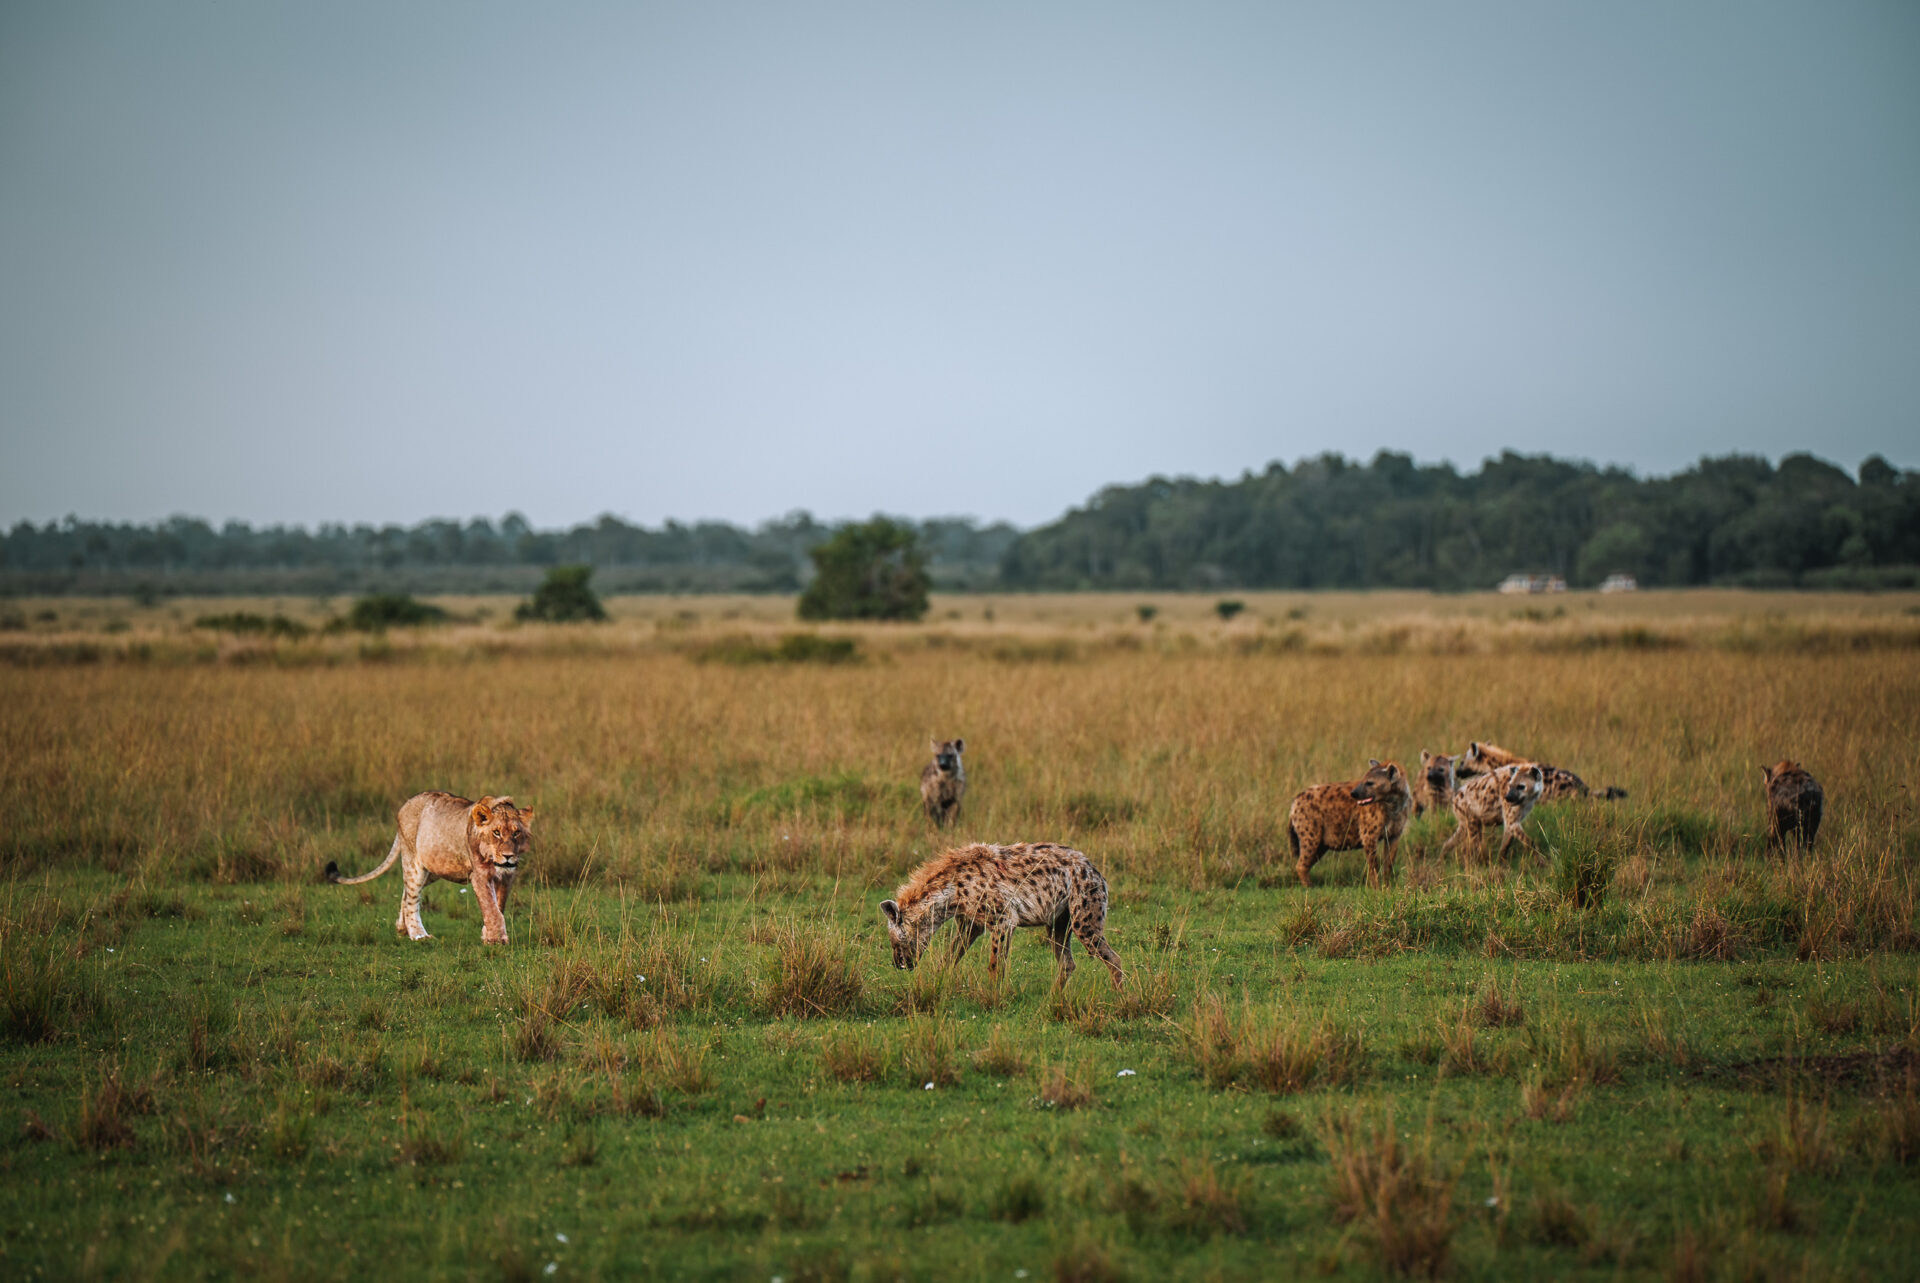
959	746
480	813
936	746
1373	764
891	912
1425	757
1766	773
1473	749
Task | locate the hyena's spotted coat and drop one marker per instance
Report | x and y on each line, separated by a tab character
1559	784
1795	803
1369	813
997	889
1505	797
1434	789
943	782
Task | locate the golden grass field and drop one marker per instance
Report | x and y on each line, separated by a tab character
689	777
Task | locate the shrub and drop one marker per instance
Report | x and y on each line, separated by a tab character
794	648
811	975
872	570
1399	1195
378	612
1062	1089
563	598
854	1057
1229	608
243	622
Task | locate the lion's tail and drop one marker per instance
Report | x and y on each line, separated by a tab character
333	869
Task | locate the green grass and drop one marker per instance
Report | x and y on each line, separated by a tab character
263	1080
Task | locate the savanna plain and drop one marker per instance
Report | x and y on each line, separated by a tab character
1653	1050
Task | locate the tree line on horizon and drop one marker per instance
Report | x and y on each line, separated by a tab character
1326	522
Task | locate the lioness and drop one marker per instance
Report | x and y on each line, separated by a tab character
443	836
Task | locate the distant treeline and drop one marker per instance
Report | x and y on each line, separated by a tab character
1324	523
187	555
1331	523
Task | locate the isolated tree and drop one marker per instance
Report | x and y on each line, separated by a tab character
875	570
563	598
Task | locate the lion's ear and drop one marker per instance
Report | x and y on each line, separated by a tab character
480	813
526	816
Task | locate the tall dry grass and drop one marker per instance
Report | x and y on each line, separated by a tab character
1167	751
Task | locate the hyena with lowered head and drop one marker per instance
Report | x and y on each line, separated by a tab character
1795	802
1560	783
1368	813
996	889
1505	797
943	782
1434	789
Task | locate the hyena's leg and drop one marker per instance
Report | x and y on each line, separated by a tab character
1310	852
416	879
998	943
1090	924
493	920
964	934
1060	936
1392	850
1464	832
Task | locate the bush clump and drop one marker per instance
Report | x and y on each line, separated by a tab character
378	612
564	597
244	623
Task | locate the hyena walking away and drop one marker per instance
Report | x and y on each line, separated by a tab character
944	782
1795	803
443	836
1434	789
1505	797
1368	813
1558	783
996	889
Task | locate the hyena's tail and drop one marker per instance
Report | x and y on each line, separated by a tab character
1293	840
1611	794
333	869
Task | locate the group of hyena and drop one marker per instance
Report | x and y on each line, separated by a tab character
1484	786
996	889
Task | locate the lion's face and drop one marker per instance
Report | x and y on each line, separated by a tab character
501	832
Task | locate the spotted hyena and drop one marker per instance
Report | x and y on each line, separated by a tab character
1561	784
1505	797
1433	790
1369	813
1795	802
943	782
996	889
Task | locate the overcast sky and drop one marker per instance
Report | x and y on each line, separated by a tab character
338	261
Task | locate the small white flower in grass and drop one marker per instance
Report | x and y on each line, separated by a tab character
928	1087
1125	1073
463	890
230	1197
560	1238
1494	1201
553	1267
1019	1274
